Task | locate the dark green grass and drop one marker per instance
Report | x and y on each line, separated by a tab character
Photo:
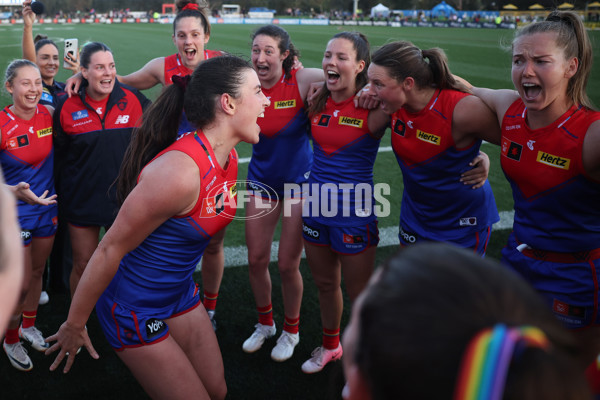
473	54
248	376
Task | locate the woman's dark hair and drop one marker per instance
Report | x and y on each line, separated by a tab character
160	121
573	39
194	9
88	50
283	38
42	40
363	53
429	68
430	300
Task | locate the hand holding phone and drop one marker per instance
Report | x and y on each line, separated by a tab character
71	46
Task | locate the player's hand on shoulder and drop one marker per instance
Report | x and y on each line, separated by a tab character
364	98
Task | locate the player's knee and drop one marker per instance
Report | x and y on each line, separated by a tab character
288	268
258	262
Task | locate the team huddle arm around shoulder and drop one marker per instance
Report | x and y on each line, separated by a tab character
378	122
498	100
146	77
306	77
73	83
472	120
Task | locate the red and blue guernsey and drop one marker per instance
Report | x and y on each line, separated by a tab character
344	153
557	204
174	66
283	153
436	206
27	154
158	272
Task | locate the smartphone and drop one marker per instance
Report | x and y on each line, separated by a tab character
71	46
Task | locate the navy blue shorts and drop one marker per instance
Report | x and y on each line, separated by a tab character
127	328
40	226
343	240
478	241
567	281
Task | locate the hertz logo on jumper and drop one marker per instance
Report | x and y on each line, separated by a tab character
44	132
351	122
428	137
285	104
554	161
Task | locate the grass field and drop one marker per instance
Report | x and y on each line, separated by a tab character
474	54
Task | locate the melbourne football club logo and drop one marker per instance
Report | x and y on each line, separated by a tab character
122	104
511	150
323	120
399	127
21	141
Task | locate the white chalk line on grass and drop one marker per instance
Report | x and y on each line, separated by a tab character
236	256
246	160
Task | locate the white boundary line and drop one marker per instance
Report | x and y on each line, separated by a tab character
236	256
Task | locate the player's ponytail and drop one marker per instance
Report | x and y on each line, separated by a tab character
428	68
199	95
288	63
441	76
158	129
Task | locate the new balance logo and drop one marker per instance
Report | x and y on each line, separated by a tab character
122	119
